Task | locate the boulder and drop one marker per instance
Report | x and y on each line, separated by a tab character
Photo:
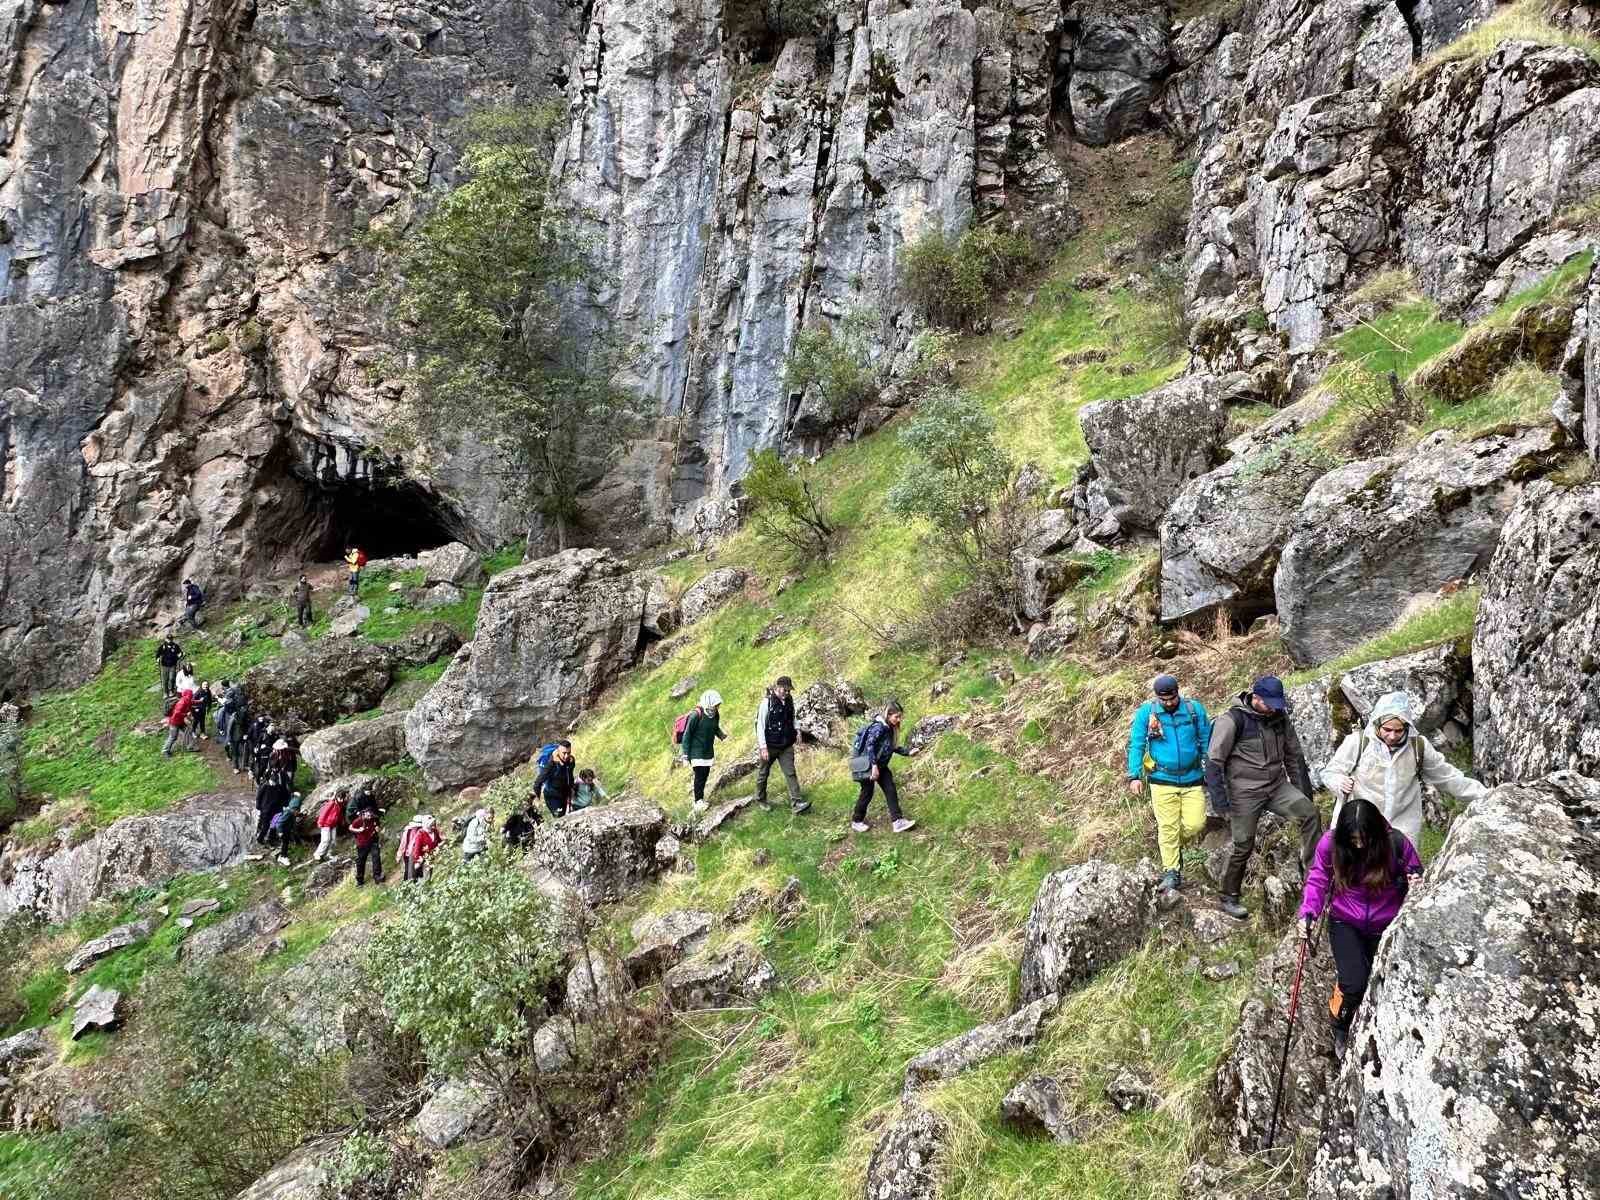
229	934
348	623
929	730
106	944
1145	449
1039	1105
200	906
604	853
1535	647
737	974
1118	57
96	1009
555	1045
1049	531
1438	682
596	984
779	627
734	772
316	998
455	564
682	688
388	789
453	1112
441	595
1016	1032
426	643
1376	536
336	677
550	636
662	942
660	614
1083	919
1129	1092
355	745
1319	727
905	1162
709	592
22	1048
820	710
307	1174
1471	1066
721	815
58	881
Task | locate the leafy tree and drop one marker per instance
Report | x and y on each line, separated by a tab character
953	280
786	507
469	290
832	363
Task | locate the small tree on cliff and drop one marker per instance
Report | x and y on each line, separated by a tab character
470	292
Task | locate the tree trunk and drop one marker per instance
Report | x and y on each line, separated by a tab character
561	532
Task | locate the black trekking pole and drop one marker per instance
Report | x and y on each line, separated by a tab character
1288	1038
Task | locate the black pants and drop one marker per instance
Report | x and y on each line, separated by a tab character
191	617
201	713
556	805
1286	801
302	614
264	826
1353	952
236	752
363	853
701	774
891	795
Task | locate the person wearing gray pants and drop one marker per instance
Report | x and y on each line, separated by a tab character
775	741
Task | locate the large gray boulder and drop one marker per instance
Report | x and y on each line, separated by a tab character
965	1051
710	591
661	942
96	1009
333	678
596	984
1537	690
425	644
1144	450
736	974
604	853
1117	57
1376	536
454	564
59	880
1083	919
820	711
238	930
109	943
905	1162
355	746
454	1112
1471	1067
550	636
307	1174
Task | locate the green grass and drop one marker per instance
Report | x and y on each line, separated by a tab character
1522	394
1446	620
1526	21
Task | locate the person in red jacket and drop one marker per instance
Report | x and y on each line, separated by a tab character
418	841
364	828
176	720
328	818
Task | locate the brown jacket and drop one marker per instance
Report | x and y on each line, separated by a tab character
1250	755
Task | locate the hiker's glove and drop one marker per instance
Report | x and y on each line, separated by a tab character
1221	805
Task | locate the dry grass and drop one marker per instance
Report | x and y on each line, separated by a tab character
1527	21
1386	289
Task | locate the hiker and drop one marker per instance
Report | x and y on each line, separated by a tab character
869	765
261	766
364	828
185	681
168	655
1359	877
701	732
328	819
775	742
1167	748
355	559
302	602
415	845
193	600
228	705
517	832
1254	764
176	720
203	699
272	797
555	779
285	757
284	828
1387	763
588	790
238	727
476	840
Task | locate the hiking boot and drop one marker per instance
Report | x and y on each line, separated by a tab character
1171	881
699	806
1231	906
799	806
1341	1041
860	826
904	825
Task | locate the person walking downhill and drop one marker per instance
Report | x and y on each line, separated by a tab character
476	839
328	819
193	600
418	840
874	747
302	602
177	719
700	737
1254	764
555	780
1387	763
272	797
238	729
364	828
775	742
168	655
1359	877
1167	744
355	560
285	829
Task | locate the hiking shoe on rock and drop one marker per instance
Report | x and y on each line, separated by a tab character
699	806
1231	906
860	826
1341	1040
800	806
1171	881
904	825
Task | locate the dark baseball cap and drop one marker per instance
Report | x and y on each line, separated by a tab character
1165	685
1269	690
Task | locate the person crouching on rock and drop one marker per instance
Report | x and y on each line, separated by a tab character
1359	877
700	738
328	826
285	829
364	828
271	799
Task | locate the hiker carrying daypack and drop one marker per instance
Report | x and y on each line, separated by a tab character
1167	743
702	730
870	753
556	781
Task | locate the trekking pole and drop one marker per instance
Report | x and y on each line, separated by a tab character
1288	1038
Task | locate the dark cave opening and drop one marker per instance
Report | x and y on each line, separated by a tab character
386	518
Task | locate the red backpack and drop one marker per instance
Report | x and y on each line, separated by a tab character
361	558
681	725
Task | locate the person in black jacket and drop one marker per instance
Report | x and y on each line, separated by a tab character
238	727
193	599
203	700
556	781
168	655
302	602
877	743
775	742
271	797
519	826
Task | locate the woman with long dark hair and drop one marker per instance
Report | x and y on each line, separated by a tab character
1359	877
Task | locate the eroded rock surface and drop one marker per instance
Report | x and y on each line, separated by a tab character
1083	919
603	853
355	746
332	678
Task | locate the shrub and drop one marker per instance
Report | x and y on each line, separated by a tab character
1166	226
953	280
833	363
786	506
1386	289
1382	410
1168	327
10	770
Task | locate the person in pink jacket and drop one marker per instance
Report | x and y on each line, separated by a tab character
1359	877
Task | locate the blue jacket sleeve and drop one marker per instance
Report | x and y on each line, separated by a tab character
1138	737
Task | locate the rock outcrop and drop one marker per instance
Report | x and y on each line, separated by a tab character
1118	55
604	853
965	1051
662	942
709	592
1503	927
454	1112
1084	918
109	943
905	1162
355	746
1537	689
238	930
736	974
455	564
1039	1105
333	678
551	635
97	1009
304	1175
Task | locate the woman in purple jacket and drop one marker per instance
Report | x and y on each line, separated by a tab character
1359	877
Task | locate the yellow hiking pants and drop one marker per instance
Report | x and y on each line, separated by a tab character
1180	817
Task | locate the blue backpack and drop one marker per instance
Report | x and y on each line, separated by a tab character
859	747
546	753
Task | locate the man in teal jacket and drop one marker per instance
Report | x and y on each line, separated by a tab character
1172	733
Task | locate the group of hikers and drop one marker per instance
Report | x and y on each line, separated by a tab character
1249	761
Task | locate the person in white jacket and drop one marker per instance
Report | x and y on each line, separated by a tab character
1388	761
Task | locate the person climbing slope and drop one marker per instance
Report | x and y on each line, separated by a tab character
701	734
555	780
589	791
476	839
302	602
177	719
364	828
193	600
1359	876
1171	735
775	742
328	820
355	559
272	797
1388	761
869	766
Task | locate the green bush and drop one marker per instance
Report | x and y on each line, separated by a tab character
833	363
952	281
786	506
10	770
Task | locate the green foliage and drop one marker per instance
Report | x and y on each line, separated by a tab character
833	363
362	1158
786	505
958	468
10	770
953	280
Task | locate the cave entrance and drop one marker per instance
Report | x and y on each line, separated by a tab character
389	518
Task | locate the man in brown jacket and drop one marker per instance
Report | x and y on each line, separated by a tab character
1254	764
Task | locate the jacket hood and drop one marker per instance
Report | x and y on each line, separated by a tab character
1393	704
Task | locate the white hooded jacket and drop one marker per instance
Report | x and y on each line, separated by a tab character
1390	779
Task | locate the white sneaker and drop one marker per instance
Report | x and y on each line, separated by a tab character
699	806
860	826
904	825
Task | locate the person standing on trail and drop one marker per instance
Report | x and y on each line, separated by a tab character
271	799
238	726
1387	763
168	655
355	560
302	602
517	832
203	699
555	780
186	680
700	737
328	819
1254	764
193	600
418	841
364	828
1359	876
176	720
1167	744
775	742
476	840
869	766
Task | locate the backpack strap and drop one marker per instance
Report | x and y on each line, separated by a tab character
1397	854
